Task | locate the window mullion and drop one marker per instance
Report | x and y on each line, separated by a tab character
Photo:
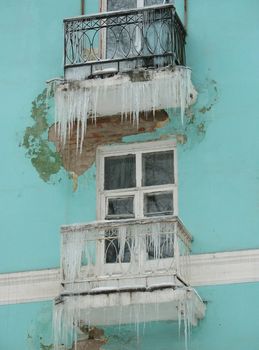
138	170
139	195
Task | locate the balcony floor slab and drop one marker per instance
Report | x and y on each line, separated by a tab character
126	94
110	307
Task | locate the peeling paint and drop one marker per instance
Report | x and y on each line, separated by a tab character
197	116
45	160
93	339
106	130
201	127
40	139
46	347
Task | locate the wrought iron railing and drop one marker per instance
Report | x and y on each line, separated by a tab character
147	37
124	248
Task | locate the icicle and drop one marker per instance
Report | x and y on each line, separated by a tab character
76	100
152	240
72	250
122	233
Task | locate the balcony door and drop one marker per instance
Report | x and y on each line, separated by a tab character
126	40
114	5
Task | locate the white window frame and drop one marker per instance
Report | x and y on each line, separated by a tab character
103	4
138	192
102	42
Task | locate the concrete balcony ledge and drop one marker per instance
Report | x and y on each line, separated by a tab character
124	94
110	307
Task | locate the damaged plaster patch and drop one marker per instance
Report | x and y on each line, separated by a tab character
40	139
207	98
106	130
94	339
197	116
139	91
44	159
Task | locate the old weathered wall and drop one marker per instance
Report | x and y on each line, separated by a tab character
218	162
231	323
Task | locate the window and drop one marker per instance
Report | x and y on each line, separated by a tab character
136	180
113	5
126	41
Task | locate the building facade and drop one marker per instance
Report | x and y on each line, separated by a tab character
122	147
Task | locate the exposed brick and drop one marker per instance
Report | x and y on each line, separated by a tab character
106	130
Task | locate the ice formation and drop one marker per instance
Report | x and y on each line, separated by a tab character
131	243
75	311
97	293
122	94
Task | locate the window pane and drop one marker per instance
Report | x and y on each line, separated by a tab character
158	168
113	5
120	172
119	208
112	248
164	247
158	2
156	204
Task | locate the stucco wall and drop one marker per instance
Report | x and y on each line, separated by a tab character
218	164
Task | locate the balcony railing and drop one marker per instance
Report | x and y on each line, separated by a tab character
123	40
128	249
125	271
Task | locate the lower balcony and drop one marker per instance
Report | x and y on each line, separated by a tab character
126	271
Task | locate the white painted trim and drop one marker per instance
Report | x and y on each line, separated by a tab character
31	286
137	148
225	268
206	269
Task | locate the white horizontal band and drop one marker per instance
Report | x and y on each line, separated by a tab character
206	269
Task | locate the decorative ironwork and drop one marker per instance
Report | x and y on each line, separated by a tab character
147	37
124	247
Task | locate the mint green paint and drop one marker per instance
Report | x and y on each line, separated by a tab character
26	326
218	165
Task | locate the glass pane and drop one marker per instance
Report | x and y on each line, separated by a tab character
156	204
113	5
118	36
158	2
119	208
158	168
112	248
164	247
120	172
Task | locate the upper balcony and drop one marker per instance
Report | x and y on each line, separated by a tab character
122	63
120	41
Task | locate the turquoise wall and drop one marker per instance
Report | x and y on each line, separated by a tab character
218	165
231	322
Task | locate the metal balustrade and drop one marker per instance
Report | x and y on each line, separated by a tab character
118	41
